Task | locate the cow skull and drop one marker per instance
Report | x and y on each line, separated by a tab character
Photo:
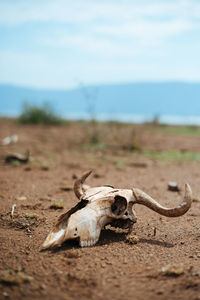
99	206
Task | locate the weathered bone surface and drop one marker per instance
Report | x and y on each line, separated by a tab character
18	157
99	206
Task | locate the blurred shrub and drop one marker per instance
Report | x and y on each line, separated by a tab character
32	114
106	135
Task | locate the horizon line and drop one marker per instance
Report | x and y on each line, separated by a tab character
78	86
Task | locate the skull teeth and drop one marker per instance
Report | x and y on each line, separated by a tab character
88	243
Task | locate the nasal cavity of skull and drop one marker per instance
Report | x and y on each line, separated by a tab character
119	206
75	233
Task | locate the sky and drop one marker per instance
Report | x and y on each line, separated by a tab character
62	44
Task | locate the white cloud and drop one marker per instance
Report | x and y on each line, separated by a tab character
40	71
107	27
146	31
22	67
98	41
61	11
92	45
117	40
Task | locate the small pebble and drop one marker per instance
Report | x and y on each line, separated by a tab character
132	239
173	270
173	186
22	198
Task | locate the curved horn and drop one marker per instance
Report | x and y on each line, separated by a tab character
78	189
144	199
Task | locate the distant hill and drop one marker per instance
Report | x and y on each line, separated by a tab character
149	99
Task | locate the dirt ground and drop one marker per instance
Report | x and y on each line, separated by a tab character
113	269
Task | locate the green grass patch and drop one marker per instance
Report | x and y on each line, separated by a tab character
121	164
172	155
176	130
15	163
95	146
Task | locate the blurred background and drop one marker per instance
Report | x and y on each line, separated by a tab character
130	61
65	66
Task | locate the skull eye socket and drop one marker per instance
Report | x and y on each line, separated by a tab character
119	206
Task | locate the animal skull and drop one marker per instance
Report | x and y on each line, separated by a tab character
99	206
